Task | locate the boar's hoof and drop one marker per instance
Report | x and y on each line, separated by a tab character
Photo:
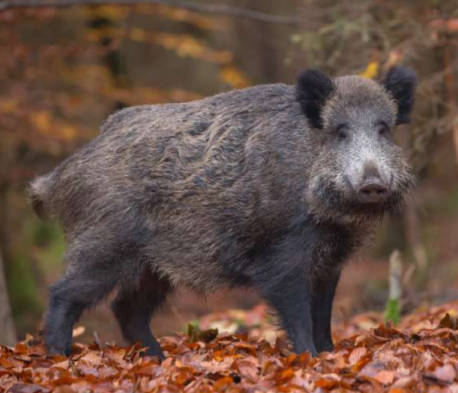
327	348
312	351
59	349
154	352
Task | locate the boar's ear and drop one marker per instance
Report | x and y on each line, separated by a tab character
400	82
312	91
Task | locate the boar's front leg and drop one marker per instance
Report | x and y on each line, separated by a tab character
291	298
133	308
324	288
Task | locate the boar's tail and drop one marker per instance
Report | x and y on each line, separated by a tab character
40	191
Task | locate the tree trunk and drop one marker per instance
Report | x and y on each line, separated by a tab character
7	331
449	60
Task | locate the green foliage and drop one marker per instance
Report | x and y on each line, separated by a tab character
43	233
195	334
37	254
48	244
393	311
22	287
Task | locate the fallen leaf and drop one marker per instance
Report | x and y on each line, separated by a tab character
27	388
385	377
445	373
356	355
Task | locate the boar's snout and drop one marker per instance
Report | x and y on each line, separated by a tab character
372	188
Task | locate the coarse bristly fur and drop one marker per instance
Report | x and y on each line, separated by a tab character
264	187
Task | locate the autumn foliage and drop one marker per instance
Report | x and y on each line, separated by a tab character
418	356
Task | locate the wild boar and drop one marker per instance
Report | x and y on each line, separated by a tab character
271	187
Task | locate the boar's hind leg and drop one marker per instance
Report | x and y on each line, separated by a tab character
323	295
133	308
291	297
82	286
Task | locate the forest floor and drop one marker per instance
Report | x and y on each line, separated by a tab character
241	351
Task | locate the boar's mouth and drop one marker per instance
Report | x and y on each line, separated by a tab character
391	204
337	202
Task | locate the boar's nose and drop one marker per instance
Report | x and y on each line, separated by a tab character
372	190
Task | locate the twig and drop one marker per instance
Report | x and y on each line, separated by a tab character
97	340
217	9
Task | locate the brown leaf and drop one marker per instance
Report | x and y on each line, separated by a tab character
64	389
385	377
326	383
357	354
404	382
223	383
27	388
448	322
248	371
285	375
7	363
445	373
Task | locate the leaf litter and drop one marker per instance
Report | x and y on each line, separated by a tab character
419	355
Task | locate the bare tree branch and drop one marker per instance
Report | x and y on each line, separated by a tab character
217	9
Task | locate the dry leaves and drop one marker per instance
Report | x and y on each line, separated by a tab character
420	356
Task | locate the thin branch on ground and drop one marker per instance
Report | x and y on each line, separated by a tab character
216	9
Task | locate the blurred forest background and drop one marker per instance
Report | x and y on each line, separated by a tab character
64	69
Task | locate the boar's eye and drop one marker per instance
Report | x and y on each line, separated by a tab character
382	128
342	131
